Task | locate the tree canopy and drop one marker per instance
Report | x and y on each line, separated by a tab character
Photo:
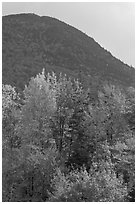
60	143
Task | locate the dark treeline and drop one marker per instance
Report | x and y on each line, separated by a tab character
63	142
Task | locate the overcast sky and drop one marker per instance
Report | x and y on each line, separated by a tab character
112	25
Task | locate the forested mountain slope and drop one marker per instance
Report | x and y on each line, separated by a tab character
69	134
31	43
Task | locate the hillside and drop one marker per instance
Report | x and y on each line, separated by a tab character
63	140
31	43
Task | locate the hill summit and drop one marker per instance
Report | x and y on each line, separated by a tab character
31	43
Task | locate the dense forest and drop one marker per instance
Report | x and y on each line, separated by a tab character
67	141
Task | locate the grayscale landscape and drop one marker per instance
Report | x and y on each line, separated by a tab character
68	112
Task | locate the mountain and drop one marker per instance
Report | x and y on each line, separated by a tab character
31	43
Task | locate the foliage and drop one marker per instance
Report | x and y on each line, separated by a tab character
28	178
97	186
63	144
10	111
68	121
39	106
33	162
124	160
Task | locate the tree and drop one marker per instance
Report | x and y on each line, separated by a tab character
69	124
10	140
124	162
28	168
39	106
99	185
10	111
60	144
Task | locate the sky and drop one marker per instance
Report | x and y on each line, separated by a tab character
112	25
